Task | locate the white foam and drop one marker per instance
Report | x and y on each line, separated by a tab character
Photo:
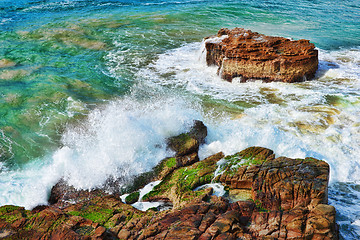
148	188
143	191
5	20
143	206
123	197
216	39
294	120
125	138
218	189
52	5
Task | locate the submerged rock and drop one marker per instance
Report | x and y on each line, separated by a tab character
265	198
250	55
4	63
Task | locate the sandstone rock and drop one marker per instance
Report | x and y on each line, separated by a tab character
63	194
288	200
250	55
188	143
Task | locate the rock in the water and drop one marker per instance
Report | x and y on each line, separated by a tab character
63	194
188	143
4	63
132	197
250	55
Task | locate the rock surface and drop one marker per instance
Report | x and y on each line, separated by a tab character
250	55
266	198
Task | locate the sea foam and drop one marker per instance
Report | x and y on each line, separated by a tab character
121	140
318	118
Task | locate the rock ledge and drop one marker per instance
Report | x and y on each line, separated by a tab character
250	55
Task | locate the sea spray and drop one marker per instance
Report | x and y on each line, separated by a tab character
125	138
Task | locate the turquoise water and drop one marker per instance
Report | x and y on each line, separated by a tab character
89	90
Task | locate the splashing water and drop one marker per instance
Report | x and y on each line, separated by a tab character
123	139
89	91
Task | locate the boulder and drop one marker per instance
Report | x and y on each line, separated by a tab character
188	143
250	55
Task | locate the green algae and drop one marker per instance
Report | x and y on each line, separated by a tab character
247	157
132	197
184	180
10	213
94	213
170	163
9	209
84	230
165	167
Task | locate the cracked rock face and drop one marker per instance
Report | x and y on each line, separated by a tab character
265	198
250	55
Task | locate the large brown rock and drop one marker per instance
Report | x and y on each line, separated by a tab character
267	198
250	55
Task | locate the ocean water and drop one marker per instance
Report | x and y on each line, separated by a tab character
90	90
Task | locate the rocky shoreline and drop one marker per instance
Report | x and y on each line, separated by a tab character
262	197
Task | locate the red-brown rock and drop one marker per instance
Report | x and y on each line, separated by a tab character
287	200
250	55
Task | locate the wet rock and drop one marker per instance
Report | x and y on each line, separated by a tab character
4	63
250	55
183	144
188	143
177	186
198	131
63	195
132	197
288	200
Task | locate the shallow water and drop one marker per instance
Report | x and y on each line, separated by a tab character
89	91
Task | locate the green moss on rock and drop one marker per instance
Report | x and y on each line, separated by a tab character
170	163
132	197
84	230
178	186
183	144
9	208
10	213
94	213
248	157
